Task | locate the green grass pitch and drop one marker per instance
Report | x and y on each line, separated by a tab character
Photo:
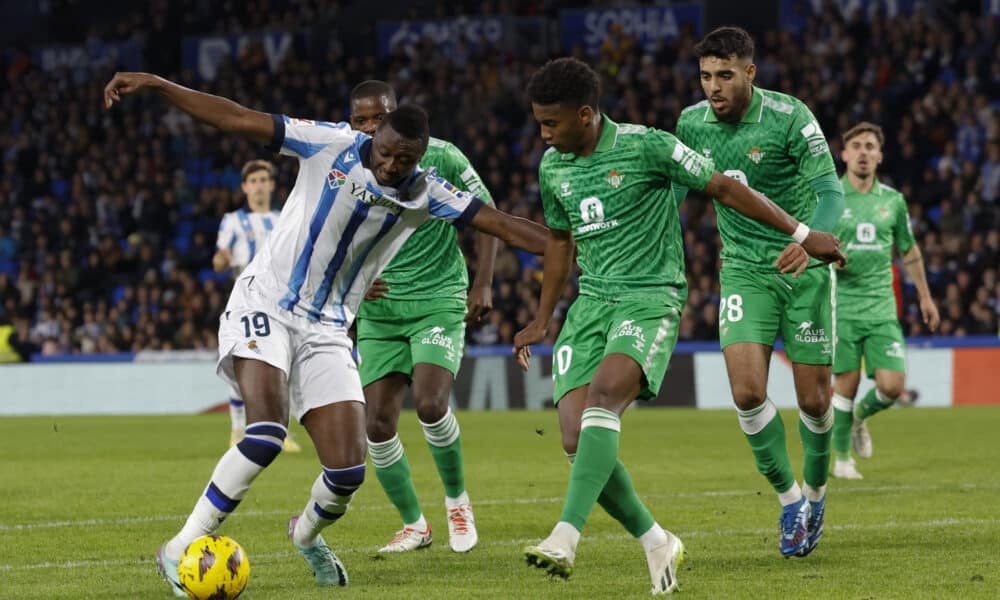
85	502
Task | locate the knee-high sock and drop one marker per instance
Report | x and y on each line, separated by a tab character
873	402
231	479
596	456
816	433
843	418
620	500
445	441
331	495
765	431
393	472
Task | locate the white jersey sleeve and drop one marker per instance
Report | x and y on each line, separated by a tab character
306	138
228	233
448	203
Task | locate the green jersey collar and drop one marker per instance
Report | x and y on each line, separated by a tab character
753	114
849	189
607	141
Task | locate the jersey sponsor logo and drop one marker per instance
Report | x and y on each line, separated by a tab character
628	329
367	196
895	350
755	155
814	138
565	188
615	178
691	161
592	213
335	178
805	333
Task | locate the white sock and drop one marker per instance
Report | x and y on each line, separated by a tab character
567	534
420	524
444	432
451	503
653	538
791	495
813	494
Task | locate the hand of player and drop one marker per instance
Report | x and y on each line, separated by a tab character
124	83
929	311
221	260
793	258
824	246
532	334
479	303
379	289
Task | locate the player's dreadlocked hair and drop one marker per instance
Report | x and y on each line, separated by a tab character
409	121
565	81
726	42
373	88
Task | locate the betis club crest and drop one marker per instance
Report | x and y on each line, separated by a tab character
615	178
755	155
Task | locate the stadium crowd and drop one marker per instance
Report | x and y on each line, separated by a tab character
107	232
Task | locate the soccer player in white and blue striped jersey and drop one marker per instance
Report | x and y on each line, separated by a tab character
283	336
241	233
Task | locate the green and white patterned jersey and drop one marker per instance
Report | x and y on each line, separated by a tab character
430	264
871	225
618	206
776	149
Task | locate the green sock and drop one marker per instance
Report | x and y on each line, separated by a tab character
445	441
766	433
873	402
393	472
596	456
843	418
620	500
816	433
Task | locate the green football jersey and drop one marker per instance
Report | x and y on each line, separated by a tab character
430	264
618	206
777	148
871	225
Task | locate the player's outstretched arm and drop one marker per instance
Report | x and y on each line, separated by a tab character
746	201
218	112
479	302
913	262
559	249
516	231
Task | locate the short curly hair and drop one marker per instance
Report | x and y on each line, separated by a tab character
725	42
566	81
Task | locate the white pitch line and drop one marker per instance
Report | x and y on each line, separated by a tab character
268	556
854	489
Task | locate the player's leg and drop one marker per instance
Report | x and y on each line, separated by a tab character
436	346
807	329
885	357
237	416
327	398
845	388
255	353
385	367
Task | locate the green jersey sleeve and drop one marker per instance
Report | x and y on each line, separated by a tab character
680	165
555	212
455	167
807	144
902	233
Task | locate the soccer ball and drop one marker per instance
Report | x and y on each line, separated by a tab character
214	567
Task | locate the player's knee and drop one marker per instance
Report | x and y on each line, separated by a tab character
891	389
748	396
380	426
570	438
262	442
814	404
431	407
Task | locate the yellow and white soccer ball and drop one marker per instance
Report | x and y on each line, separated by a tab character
214	567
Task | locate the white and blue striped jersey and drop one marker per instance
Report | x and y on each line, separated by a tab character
243	233
339	227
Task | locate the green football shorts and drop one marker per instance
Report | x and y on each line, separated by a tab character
394	335
757	306
645	330
879	342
